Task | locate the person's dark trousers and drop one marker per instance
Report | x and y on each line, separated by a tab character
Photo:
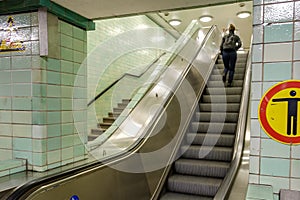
229	60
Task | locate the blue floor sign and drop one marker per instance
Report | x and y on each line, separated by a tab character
75	197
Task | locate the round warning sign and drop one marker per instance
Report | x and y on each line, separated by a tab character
279	112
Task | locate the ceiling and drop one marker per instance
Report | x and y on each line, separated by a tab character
223	11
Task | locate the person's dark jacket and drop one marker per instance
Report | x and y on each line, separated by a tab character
230	42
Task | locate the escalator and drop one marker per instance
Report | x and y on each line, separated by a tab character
154	133
199	172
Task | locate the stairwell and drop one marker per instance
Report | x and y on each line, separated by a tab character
108	121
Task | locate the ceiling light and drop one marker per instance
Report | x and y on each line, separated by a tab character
205	18
175	22
243	14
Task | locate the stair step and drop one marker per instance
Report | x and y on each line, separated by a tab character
194	185
211	139
180	196
207	153
219	107
104	126
215	127
109	119
97	131
216	117
201	168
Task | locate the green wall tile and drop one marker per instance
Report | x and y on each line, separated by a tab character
5	142
66	66
5	77
5	63
67	141
22	103
277	71
79	150
78	33
67	116
39	145
53	64
275	167
21	62
5	117
5	103
53	117
66	104
284	32
22	144
39	118
66	41
66	28
67	79
22	117
66	92
78	56
53	156
54	143
54	130
39	103
53	91
78	45
66	54
21	90
39	90
67	129
53	104
53	77
67	153
21	76
22	130
39	159
5	90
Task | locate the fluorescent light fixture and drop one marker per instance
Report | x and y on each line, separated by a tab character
175	22
243	14
205	18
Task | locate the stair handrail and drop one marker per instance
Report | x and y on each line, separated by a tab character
123	76
224	189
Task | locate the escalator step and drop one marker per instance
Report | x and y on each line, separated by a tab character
219	107
221	98
235	83
237	65
207	153
219	78
194	185
201	168
216	117
223	91
179	196
236	71
204	127
211	139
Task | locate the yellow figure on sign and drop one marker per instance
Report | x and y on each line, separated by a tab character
292	112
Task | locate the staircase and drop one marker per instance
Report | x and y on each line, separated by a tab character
108	121
199	172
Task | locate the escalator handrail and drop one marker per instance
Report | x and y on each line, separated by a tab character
223	191
123	76
168	168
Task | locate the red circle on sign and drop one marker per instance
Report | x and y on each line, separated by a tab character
262	112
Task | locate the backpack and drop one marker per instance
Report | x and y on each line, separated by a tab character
229	42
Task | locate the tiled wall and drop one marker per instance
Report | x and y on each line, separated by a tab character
276	50
36	96
114	31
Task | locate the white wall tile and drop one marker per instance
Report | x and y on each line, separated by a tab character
278	52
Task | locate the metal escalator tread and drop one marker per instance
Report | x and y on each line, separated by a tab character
204	168
207	152
180	196
194	185
208	148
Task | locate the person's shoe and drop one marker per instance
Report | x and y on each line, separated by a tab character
224	79
229	85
